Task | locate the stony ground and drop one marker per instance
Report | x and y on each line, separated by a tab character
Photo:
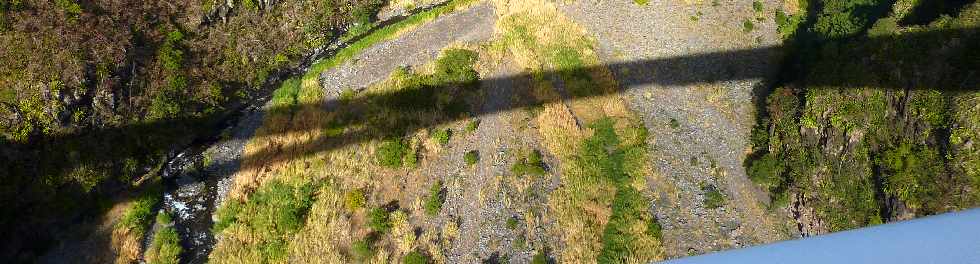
709	140
705	147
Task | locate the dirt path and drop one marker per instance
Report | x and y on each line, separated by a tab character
709	139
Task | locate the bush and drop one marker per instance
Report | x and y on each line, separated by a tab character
912	174
433	204
654	229
362	249
530	165
355	199
138	218
767	171
227	215
472	125
391	153
165	248
442	136
471	157
628	208
415	257
540	258
379	220
757	6
747	26
274	213
512	222
713	198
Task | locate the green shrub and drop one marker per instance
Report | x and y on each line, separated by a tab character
654	229
379	220
391	153
472	125
912	174
455	66
442	136
767	171
787	25
512	222
713	198
415	257
641	2
747	26
629	206
757	6
275	212
433	204
530	165
165	247
540	258
70	7
363	249
355	199
139	217
674	123
227	214
471	157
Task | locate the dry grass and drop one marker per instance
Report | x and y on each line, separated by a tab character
530	31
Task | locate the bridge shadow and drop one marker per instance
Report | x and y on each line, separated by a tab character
953	54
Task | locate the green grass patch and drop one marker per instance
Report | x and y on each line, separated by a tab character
415	257
442	136
275	212
379	219
472	125
471	157
363	249
713	198
391	153
355	199
433	203
532	164
747	26
139	217
165	247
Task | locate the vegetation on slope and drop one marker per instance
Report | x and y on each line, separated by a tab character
165	248
399	107
95	93
878	139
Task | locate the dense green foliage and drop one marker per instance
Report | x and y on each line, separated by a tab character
275	211
442	136
606	158
471	157
871	140
139	217
165	247
433	203
391	153
530	165
355	199
379	220
415	257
